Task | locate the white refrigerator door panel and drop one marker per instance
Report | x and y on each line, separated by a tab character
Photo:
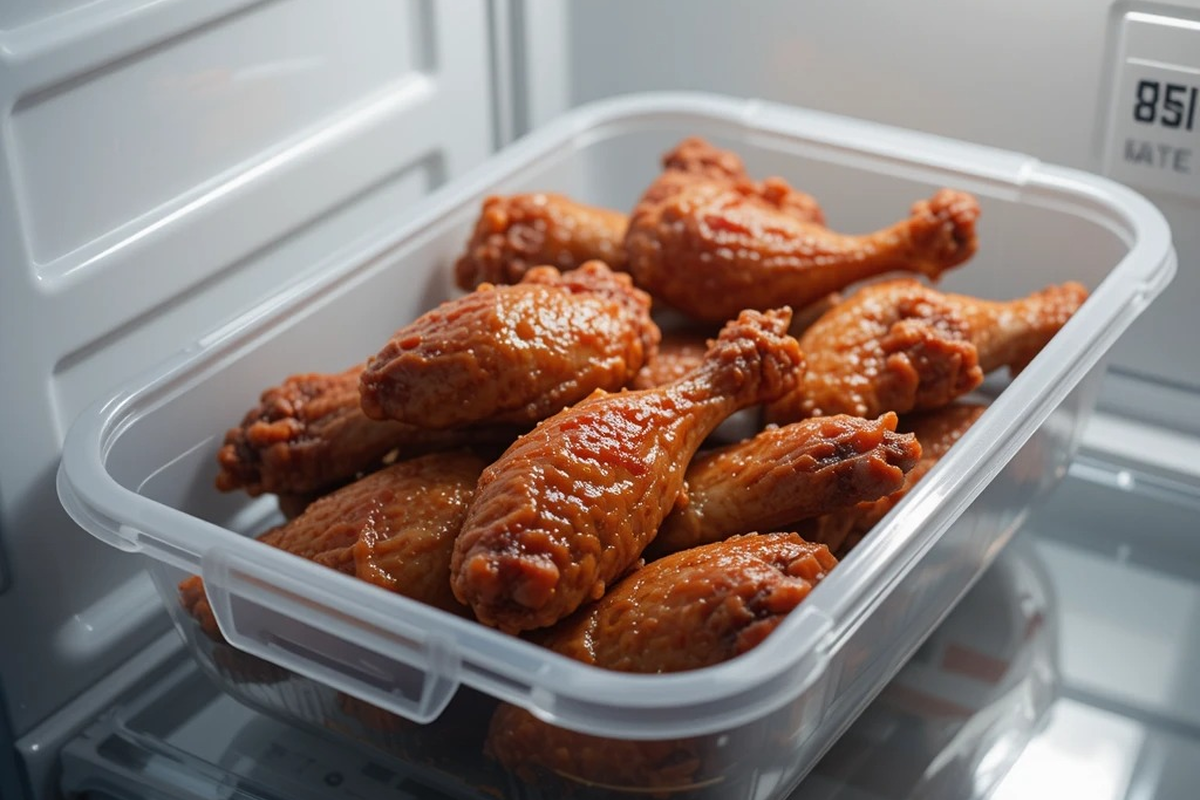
166	165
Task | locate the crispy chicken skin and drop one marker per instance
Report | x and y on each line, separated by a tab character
936	431
679	352
689	610
515	233
786	474
901	346
395	528
1009	334
712	247
694	159
513	354
569	506
309	435
682	347
694	608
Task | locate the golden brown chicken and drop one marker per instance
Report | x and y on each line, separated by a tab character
689	610
713	247
936	431
694	159
570	506
513	354
786	474
902	346
394	528
518	232
683	344
309	435
679	352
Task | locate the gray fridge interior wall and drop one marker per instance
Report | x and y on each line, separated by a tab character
1023	75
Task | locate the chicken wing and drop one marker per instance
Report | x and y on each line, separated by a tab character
713	247
936	431
309	435
787	474
901	346
513	353
517	232
689	610
570	506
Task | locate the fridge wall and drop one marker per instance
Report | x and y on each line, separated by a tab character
1028	76
166	165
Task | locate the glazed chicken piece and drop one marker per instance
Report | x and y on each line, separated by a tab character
513	354
901	346
679	352
408	522
570	506
694	159
682	347
309	435
394	528
689	610
936	431
711	248
517	232
786	474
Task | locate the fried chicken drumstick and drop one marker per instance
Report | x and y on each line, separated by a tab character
513	354
688	610
394	528
569	506
309	435
713	246
695	160
936	431
518	232
901	346
787	474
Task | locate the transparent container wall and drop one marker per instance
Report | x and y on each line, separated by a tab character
754	760
949	724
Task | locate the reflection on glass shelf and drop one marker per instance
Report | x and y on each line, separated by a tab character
953	720
1083	752
1071	669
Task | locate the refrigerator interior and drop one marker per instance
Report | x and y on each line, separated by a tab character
164	165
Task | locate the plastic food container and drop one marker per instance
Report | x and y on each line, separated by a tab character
323	649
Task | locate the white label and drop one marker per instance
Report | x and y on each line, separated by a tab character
1154	121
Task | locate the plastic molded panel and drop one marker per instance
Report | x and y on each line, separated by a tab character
165	166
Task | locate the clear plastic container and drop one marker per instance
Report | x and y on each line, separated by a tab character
330	651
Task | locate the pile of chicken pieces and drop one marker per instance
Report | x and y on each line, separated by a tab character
542	453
